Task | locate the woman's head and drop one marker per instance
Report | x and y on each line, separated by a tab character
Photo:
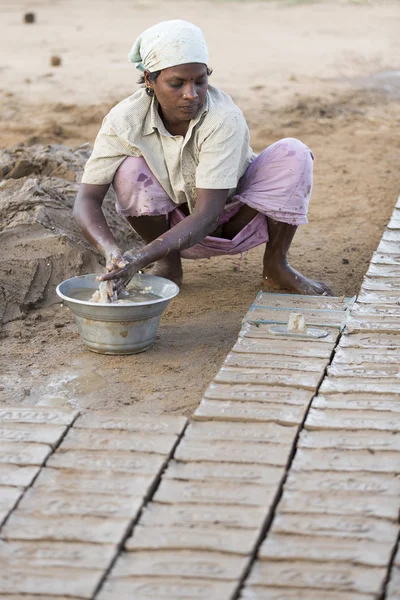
173	57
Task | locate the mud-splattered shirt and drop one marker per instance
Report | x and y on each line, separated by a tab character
214	154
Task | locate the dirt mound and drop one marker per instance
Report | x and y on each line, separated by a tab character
41	244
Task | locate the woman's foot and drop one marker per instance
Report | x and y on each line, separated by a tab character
284	277
170	269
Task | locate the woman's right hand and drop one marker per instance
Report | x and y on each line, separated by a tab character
115	260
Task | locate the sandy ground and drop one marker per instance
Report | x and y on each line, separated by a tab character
325	72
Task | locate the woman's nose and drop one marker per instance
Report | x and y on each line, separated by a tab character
190	92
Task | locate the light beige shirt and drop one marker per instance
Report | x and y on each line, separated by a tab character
214	154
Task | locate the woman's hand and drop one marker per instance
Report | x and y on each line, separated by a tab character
123	267
115	260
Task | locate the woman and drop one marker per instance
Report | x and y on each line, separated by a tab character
185	177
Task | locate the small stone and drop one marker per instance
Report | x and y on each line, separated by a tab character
55	61
29	17
345	261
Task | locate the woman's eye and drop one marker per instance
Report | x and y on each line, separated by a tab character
175	85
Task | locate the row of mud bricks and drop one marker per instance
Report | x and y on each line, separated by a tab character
284	486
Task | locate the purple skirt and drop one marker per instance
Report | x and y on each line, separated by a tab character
277	184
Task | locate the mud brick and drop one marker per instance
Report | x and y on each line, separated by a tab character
71	529
257	340
343	577
334	385
373	323
38	414
71	582
379	341
257	393
95	482
101	439
14	475
352	460
250	412
271	361
8	498
352	419
135	463
48	502
284	593
362	402
31	432
380	370
173	491
224	471
350	440
307	381
183	563
297	301
393	588
313	316
349	503
381	284
378	297
325	549
130	421
245	452
362	310
391	236
234	541
157	515
21	453
380	258
379	354
388	247
380	483
337	526
166	588
238	432
56	554
383	270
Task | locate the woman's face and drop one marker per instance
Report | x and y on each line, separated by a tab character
180	91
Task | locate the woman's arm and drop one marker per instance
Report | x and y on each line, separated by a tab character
187	233
89	216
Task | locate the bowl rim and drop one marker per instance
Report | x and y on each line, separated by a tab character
108	304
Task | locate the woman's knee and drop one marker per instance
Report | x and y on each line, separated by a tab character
292	147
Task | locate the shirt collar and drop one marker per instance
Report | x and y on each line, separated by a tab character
153	121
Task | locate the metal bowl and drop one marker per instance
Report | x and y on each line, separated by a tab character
118	328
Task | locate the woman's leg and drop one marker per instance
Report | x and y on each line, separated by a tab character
278	184
146	206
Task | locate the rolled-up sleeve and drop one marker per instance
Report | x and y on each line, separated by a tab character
108	153
223	153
